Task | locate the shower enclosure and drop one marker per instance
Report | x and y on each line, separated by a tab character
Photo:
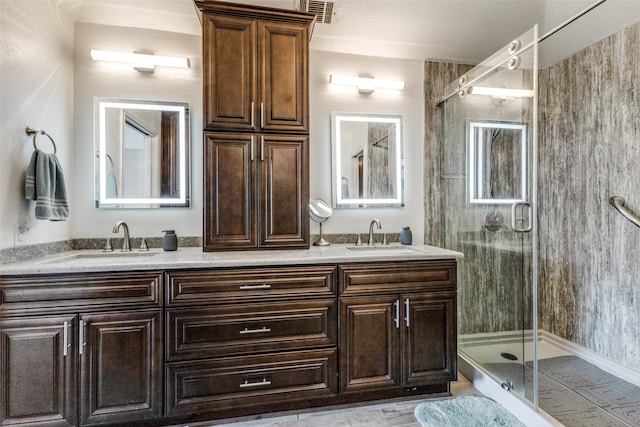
488	198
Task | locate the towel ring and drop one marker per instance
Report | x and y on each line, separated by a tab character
35	132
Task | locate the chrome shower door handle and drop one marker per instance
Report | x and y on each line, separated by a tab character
515	219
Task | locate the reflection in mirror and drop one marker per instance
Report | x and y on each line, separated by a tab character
142	152
367	160
497	161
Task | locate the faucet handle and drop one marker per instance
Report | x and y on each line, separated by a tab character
143	245
359	240
384	239
107	246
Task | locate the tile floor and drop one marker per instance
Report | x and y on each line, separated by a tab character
388	414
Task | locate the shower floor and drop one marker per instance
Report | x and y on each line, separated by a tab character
570	389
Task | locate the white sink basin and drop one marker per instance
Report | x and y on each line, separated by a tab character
102	257
379	248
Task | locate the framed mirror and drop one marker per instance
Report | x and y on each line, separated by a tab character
141	154
367	163
497	163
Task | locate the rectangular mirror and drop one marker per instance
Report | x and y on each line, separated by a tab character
497	163
367	163
142	154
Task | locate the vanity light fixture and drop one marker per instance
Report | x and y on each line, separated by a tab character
145	62
366	84
500	92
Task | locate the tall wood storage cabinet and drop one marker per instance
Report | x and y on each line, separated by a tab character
256	132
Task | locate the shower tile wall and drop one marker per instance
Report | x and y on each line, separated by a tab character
589	149
437	76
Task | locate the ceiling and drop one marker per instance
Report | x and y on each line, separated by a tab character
452	30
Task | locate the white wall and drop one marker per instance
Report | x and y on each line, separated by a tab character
325	98
36	89
101	79
49	81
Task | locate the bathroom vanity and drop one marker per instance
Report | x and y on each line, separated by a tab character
165	338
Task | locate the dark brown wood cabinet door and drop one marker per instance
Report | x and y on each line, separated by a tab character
229	191
229	70
121	367
284	191
283	57
429	338
369	343
37	375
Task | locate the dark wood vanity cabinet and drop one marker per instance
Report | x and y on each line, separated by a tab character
81	349
256	191
398	325
256	114
180	346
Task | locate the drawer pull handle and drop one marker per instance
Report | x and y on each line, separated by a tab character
255	331
246	383
249	287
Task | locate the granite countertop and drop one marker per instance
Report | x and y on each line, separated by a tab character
194	257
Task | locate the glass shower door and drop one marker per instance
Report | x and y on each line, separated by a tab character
488	197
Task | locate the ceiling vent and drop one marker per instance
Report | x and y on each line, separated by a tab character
322	9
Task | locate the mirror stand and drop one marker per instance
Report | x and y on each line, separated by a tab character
321	241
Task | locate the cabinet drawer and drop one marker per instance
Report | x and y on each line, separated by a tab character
394	277
247	285
79	292
251	328
211	385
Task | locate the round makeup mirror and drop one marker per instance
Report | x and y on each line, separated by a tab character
320	211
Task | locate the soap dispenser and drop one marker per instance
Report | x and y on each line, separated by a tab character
405	236
170	240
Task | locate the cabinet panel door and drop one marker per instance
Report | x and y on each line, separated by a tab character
37	376
284	191
283	55
229	170
368	343
121	367
429	344
229	70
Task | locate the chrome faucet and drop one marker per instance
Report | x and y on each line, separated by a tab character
372	240
126	244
